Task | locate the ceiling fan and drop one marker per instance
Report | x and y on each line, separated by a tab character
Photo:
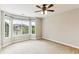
45	8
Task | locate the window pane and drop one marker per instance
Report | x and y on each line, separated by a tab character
6	28
25	27
17	27
33	27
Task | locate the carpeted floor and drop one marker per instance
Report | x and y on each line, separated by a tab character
37	47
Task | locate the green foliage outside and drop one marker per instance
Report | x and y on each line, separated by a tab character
25	29
33	29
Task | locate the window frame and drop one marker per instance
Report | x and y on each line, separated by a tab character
11	18
31	27
21	28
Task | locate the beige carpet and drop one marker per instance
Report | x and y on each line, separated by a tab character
37	47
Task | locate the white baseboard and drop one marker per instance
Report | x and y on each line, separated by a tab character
7	44
62	43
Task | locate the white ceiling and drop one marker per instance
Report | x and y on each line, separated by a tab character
28	9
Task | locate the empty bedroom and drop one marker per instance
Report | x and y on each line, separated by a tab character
39	28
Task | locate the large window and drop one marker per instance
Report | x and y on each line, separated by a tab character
17	27
7	26
20	27
25	27
33	27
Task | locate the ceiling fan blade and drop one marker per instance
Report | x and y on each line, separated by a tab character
38	6
51	10
50	5
38	11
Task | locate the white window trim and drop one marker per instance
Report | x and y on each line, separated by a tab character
11	28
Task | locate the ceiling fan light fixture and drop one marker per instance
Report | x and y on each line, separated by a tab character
45	8
44	12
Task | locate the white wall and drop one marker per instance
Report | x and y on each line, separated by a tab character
0	29
39	28
62	27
